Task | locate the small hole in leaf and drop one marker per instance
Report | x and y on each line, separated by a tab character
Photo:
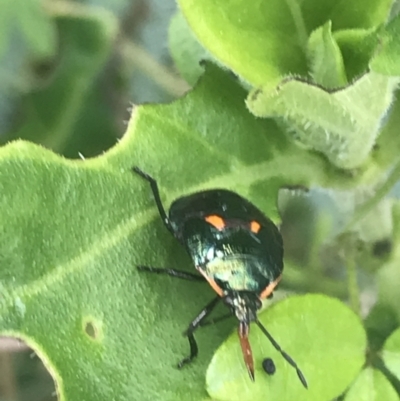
92	327
22	372
90	330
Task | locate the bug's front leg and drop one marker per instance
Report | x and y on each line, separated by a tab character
172	272
157	198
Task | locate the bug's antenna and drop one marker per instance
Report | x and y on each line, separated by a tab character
283	353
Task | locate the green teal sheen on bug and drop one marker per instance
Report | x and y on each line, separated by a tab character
234	256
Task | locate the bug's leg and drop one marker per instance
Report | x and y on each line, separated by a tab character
216	320
193	326
156	195
172	272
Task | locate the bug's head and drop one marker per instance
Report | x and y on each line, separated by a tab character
244	305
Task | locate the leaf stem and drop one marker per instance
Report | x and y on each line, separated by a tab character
396	230
294	7
321	231
352	283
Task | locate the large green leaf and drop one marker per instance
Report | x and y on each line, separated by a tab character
264	40
72	232
71	235
227	146
330	352
248	37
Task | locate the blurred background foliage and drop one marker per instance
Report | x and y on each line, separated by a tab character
80	66
70	74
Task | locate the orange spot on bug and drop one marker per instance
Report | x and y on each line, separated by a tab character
255	226
216	221
268	290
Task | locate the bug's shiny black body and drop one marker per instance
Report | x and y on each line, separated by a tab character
235	257
236	248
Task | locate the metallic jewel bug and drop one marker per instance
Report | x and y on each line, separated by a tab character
236	248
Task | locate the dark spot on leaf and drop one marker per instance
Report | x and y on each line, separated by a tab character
269	366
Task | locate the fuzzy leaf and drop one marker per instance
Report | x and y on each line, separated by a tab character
343	125
250	45
228	146
326	61
262	41
72	232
